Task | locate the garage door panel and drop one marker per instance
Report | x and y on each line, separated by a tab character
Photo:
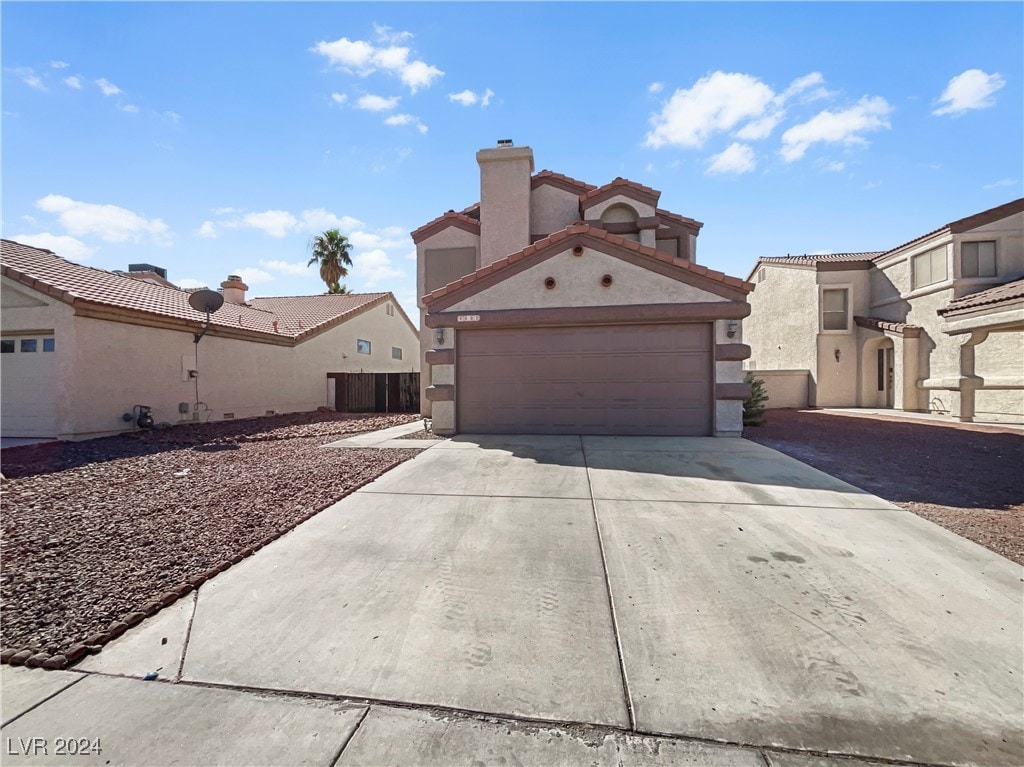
630	379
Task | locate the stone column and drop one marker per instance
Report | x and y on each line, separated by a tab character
969	382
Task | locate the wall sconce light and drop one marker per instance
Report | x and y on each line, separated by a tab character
731	328
838	355
439	335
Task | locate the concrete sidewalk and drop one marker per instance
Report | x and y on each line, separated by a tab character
567	600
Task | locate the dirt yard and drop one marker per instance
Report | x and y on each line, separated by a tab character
969	480
98	534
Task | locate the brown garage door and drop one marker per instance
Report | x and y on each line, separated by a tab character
605	379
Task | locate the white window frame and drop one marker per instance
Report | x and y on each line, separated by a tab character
915	268
396	349
978	274
846	286
359	346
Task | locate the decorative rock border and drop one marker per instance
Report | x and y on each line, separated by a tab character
94	643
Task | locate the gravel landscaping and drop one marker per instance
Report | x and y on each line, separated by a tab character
99	534
967	479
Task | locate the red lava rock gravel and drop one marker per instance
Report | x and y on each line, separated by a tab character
966	479
99	534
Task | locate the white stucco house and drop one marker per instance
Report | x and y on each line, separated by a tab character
81	347
556	306
933	325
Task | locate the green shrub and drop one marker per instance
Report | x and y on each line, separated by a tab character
753	407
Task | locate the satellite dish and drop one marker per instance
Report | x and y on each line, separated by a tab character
206	301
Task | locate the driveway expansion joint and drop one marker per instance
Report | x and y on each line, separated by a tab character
611	600
513	719
351	735
33	707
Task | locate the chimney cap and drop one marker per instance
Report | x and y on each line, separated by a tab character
505	142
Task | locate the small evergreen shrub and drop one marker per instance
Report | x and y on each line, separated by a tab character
754	407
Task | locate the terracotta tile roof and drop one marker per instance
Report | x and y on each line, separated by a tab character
898	328
451	218
1007	293
46	272
810	259
687	222
965	224
560	180
596	233
620	185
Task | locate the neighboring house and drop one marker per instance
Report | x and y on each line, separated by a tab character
82	346
934	325
554	306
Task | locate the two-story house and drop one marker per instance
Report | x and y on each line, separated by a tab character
933	325
555	306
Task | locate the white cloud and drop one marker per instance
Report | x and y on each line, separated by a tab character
389	237
844	126
29	77
339	98
716	102
762	127
251	275
207	230
835	166
225	211
386	34
737	159
286	267
468	98
1001	183
276	223
375	267
404	119
110	222
74	82
972	89
372	103
364	58
655	87
189	284
804	85
130	108
319	220
59	64
171	117
108	88
61	244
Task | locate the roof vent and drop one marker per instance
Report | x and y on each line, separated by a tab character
503	142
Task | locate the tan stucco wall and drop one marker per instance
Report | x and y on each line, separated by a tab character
781	328
504	201
578	283
837	382
552	209
785	388
643	210
107	367
452	237
1008	234
22	411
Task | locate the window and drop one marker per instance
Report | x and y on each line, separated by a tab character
762	275
7	346
396	353
363	347
28	345
49	344
390	310
834	309
930	267
978	259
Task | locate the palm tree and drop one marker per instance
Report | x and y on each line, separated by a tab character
330	250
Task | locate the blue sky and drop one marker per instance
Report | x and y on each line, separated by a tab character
217	138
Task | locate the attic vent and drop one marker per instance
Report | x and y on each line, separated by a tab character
504	142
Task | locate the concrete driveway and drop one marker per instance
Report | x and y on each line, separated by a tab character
605	600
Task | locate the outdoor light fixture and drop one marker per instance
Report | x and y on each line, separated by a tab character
731	331
439	335
838	355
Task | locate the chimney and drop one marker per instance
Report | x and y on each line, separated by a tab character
234	289
504	200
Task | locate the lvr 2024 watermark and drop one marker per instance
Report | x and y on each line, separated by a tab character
54	747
